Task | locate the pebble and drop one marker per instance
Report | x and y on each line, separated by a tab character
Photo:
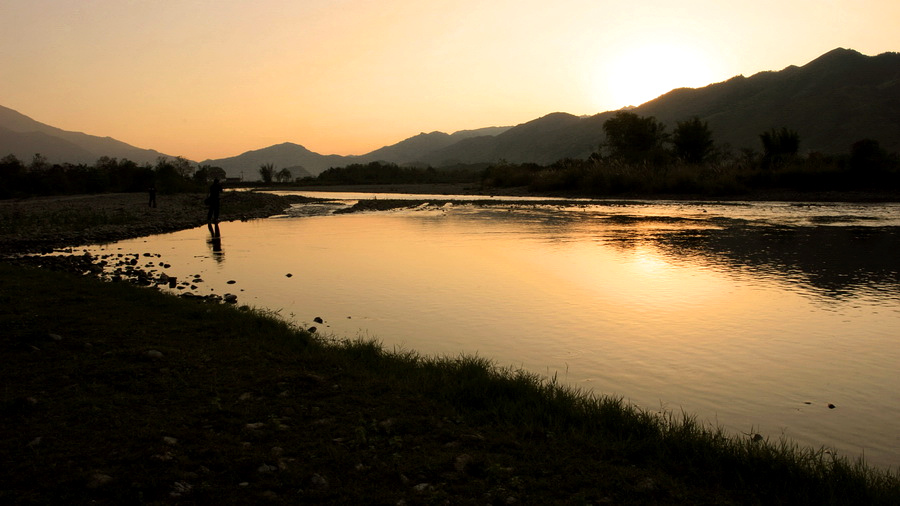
319	481
97	480
179	488
462	462
266	468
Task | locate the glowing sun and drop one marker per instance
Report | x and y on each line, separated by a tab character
641	73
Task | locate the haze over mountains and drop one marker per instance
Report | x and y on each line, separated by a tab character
23	137
832	101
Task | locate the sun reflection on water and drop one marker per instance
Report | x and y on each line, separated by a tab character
745	315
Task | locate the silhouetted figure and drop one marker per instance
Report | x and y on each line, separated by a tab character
215	191
215	241
152	192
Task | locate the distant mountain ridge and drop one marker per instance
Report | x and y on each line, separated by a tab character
23	137
299	160
836	99
302	162
833	101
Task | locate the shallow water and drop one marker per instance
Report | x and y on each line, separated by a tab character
754	316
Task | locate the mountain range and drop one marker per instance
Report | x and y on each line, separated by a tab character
23	137
838	98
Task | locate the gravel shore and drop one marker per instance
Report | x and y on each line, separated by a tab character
44	223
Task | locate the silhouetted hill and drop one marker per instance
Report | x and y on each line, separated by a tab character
832	101
419	148
299	160
303	162
544	140
23	137
25	145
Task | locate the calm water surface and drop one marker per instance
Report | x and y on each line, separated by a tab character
754	316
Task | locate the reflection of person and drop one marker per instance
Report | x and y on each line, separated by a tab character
215	190
152	192
215	241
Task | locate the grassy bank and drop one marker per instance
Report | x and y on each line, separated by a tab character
116	394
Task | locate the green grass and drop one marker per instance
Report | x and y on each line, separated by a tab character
241	407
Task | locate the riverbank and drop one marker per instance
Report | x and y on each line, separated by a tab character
119	394
43	223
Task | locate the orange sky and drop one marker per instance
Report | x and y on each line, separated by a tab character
214	78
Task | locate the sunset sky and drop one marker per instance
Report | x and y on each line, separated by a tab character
214	78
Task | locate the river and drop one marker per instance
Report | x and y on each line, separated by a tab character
773	318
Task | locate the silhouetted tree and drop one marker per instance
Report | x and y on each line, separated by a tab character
779	146
38	163
206	173
183	167
170	176
634	138
106	164
201	175
218	172
267	172
132	178
867	156
12	173
284	176
692	140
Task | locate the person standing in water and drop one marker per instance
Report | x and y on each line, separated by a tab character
215	191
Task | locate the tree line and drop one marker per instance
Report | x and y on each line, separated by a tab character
39	177
391	173
640	157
